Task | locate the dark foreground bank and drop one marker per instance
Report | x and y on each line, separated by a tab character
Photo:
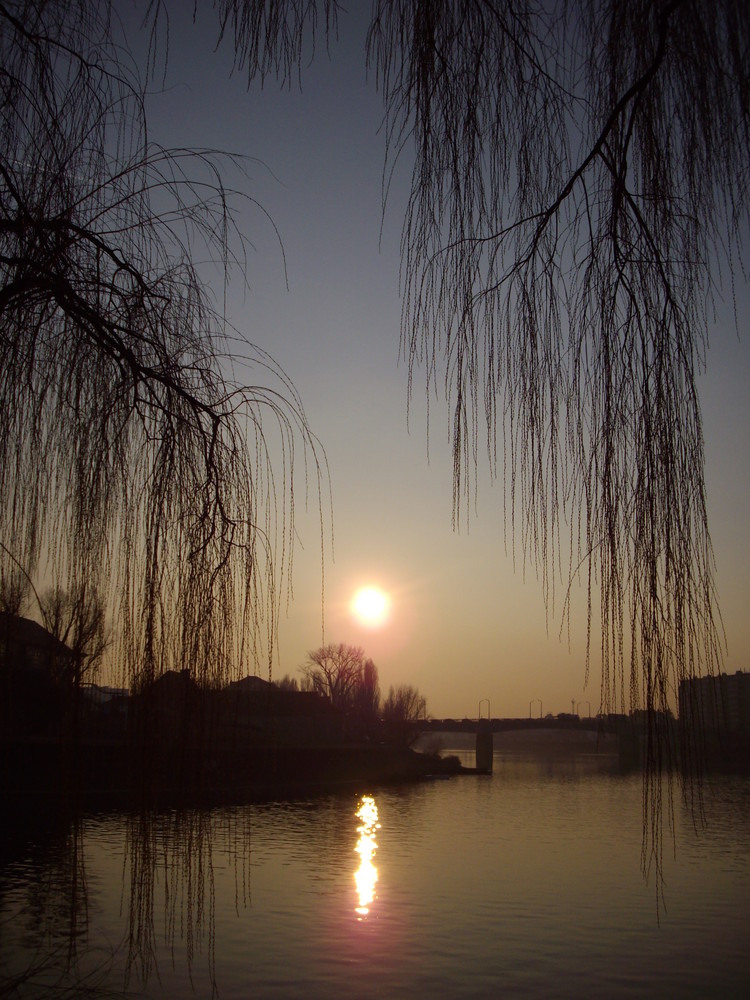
116	770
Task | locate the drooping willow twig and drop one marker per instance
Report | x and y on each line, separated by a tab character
580	175
132	456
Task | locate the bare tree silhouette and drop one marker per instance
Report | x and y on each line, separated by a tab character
342	674
76	618
14	591
403	706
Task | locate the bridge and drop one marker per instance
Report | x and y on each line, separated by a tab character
599	724
627	731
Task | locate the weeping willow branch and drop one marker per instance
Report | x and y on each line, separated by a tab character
581	175
136	455
580	181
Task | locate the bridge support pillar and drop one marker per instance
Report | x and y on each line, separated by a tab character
484	746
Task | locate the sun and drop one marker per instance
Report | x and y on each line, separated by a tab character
370	606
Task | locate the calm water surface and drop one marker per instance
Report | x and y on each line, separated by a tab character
523	884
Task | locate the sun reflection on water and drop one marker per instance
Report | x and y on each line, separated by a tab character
366	876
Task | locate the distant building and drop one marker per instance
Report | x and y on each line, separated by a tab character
255	708
25	644
716	704
31	659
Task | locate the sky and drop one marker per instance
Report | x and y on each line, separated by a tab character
465	622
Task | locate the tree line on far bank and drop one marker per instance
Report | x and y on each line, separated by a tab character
340	674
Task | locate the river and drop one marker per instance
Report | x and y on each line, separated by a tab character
525	883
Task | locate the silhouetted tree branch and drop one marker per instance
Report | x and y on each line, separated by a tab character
343	675
14	592
131	456
76	618
580	179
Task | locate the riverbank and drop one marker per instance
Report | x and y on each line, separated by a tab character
220	774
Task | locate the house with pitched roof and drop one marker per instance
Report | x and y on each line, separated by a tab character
31	658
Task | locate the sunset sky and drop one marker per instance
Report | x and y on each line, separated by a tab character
465	622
